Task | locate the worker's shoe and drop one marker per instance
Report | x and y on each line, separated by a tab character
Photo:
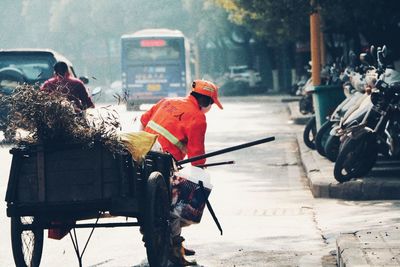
177	253
188	251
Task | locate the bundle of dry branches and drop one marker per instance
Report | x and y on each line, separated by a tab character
52	118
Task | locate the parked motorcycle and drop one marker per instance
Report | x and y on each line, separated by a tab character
379	131
356	104
360	104
332	77
310	132
329	76
323	132
306	107
360	147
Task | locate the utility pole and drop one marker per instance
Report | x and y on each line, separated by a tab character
315	43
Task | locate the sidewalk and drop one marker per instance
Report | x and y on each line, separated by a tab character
369	248
374	247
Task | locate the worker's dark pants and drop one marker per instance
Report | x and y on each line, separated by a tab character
176	224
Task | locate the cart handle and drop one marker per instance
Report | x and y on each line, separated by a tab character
226	150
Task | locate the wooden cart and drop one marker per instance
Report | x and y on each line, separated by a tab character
69	183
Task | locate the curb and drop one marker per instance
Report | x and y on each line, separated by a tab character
319	172
288	99
295	114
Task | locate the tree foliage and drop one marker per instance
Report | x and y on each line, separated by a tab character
288	20
273	21
88	32
374	22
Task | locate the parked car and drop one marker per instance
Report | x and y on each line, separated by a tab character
244	74
31	66
36	65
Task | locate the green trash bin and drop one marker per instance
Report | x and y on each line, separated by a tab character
325	99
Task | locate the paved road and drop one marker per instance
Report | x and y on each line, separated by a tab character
267	212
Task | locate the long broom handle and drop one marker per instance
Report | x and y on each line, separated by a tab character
226	150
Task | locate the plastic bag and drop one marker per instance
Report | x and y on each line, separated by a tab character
188	198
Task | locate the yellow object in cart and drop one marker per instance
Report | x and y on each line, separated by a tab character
138	143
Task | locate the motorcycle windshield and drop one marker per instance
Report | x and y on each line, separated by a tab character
391	76
358	114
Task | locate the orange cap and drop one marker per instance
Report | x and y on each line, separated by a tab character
207	88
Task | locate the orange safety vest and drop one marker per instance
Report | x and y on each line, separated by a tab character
180	126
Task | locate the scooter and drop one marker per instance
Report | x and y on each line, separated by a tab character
334	78
352	96
354	110
363	142
306	106
377	133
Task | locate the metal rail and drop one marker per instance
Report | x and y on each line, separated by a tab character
216	164
81	225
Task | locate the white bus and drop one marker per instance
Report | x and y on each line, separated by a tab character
155	64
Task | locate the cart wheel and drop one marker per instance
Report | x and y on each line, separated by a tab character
156	221
27	245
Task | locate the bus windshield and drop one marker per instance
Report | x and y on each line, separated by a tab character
153	50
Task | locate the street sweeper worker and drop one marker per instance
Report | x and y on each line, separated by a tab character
180	124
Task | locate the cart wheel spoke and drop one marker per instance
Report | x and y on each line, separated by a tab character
27	244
